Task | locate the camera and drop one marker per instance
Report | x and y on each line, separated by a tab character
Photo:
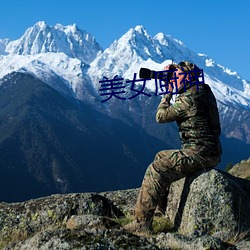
166	75
147	73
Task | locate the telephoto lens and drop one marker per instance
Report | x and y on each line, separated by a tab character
146	73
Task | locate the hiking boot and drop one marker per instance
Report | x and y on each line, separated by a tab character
140	227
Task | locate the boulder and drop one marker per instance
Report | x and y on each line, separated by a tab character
90	221
85	239
210	202
178	241
19	221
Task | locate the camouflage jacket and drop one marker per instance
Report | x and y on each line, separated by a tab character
196	114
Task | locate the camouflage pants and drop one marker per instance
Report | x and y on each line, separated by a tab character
167	167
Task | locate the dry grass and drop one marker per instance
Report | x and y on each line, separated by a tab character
238	237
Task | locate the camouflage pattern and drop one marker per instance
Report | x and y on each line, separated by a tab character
168	166
186	66
197	117
196	114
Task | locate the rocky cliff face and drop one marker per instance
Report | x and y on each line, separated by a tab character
207	211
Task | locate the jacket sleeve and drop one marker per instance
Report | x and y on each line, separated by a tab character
182	108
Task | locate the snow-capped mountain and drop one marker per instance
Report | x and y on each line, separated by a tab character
71	61
42	38
74	56
55	138
57	55
137	49
3	43
63	73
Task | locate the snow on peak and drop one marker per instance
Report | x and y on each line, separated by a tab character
63	73
162	39
46	50
125	54
41	24
69	29
167	39
140	29
136	49
3	44
134	36
42	38
209	62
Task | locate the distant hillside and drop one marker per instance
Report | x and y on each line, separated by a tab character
52	144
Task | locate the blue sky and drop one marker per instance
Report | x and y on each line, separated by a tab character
218	28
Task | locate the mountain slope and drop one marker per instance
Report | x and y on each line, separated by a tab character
42	38
137	49
44	130
65	74
52	144
53	54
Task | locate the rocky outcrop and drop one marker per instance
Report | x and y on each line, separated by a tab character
209	210
211	202
241	169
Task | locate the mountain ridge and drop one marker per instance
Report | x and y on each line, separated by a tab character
155	53
42	38
135	49
82	80
126	129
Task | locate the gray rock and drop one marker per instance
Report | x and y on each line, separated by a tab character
243	245
212	202
210	210
178	241
95	239
90	221
241	169
124	199
20	220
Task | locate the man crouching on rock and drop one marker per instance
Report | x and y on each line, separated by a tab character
195	111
